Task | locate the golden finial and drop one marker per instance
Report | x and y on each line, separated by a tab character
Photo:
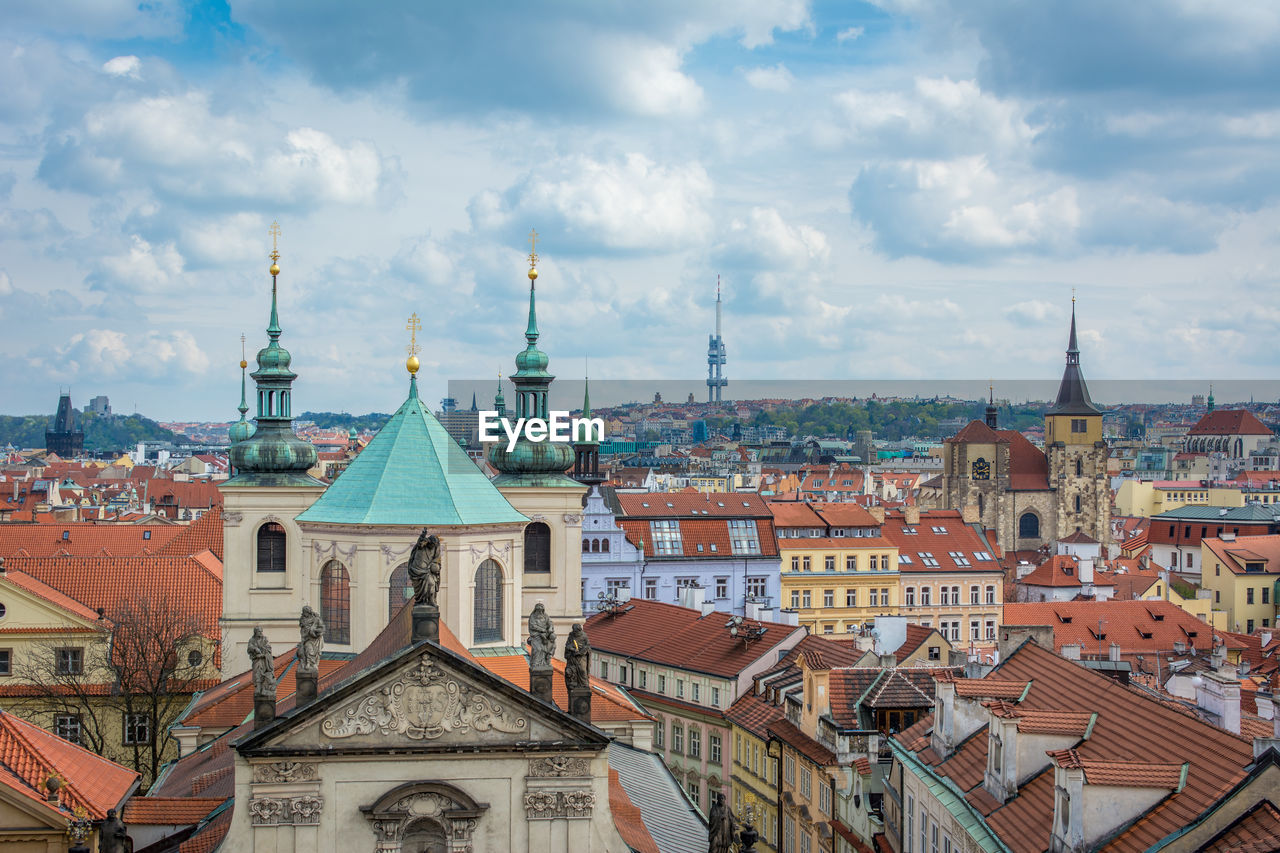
533	254
274	231
243	362
413	327
1073	296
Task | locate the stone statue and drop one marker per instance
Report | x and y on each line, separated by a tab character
424	569
722	827
542	638
113	836
577	658
263	669
310	642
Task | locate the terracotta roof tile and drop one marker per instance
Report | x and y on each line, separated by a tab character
952	534
1229	422
668	634
786	732
1138	627
976	432
1255	831
29	755
754	713
1060	570
1135	774
169	811
627	818
209	836
85	539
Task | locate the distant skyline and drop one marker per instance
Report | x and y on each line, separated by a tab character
904	189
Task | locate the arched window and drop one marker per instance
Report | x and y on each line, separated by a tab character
271	544
595	546
488	612
1077	503
537	548
335	602
399	590
604	546
1079	467
586	546
1029	526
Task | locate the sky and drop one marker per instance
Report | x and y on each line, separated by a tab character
904	189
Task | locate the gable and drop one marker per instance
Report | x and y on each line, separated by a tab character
424	699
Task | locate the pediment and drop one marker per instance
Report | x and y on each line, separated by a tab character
424	699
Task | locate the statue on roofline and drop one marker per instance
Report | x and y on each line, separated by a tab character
310	642
542	638
424	569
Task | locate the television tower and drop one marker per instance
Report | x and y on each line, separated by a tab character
715	357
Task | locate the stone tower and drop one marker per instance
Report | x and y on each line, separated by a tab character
265	578
65	437
1077	454
532	477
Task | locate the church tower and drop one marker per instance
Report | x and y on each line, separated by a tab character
586	453
531	476
264	571
1077	453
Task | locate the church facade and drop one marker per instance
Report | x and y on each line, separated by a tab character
1029	496
508	544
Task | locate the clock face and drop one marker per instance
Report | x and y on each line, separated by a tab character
981	469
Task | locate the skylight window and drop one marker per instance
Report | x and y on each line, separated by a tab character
928	559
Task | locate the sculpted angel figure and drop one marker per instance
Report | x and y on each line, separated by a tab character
424	569
310	642
264	679
542	637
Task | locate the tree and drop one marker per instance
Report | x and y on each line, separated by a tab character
126	685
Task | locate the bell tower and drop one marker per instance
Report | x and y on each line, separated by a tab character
1077	454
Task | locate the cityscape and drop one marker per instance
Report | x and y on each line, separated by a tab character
959	531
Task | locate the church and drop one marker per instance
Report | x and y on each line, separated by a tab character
408	733
509	543
1028	496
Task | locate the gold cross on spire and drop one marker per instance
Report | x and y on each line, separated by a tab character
533	248
243	361
274	231
413	327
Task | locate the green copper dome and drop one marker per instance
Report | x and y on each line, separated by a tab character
272	455
530	463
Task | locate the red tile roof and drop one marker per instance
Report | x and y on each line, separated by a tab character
846	515
678	636
1128	774
1028	466
1255	831
29	755
1246	549
694	505
1229	422
754	713
1120	739
169	811
1138	627
794	514
786	732
952	534
203	534
627	818
107	582
976	432
85	539
1058	570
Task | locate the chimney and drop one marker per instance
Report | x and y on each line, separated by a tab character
708	607
1071	651
911	515
877	512
1012	636
1085	570
1113	653
1219	695
888	661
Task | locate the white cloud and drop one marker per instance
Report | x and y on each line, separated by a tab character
224	239
775	78
97	354
624	203
142	267
1034	312
123	66
849	34
180	147
6	284
764	239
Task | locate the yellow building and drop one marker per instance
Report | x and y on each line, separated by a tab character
1145	498
754	777
1198	605
838	573
1242	573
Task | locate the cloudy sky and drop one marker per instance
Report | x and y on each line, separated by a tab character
904	188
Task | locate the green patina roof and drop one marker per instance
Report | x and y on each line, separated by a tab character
412	472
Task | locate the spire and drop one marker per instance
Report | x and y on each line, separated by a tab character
474	407
411	364
500	402
273	328
1209	402
531	332
1073	394
241	429
586	397
992	413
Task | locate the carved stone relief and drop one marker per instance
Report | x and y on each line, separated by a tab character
390	555
570	518
302	810
547	804
559	765
286	771
232	519
489	550
423	704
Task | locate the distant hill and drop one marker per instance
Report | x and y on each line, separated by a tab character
892	421
341	420
101	432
